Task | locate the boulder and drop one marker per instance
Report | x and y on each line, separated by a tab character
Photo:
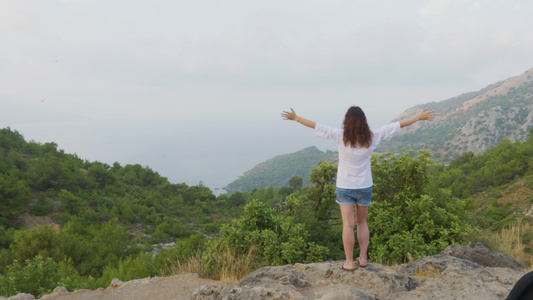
22	296
482	255
116	283
60	290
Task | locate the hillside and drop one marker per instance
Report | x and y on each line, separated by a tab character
58	208
42	185
473	121
277	171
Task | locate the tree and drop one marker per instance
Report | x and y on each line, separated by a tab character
11	139
69	202
236	199
160	233
126	212
322	192
317	210
100	174
14	195
47	172
295	183
30	243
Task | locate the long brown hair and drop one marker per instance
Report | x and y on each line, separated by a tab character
356	129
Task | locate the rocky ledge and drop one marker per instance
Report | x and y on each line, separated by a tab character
460	272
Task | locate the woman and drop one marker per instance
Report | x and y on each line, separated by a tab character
356	141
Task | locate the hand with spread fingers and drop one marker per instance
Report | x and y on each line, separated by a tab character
426	115
289	115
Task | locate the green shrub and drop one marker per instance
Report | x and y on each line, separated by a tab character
407	220
42	207
4	222
280	238
37	276
133	267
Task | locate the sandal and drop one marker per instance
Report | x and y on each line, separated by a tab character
345	269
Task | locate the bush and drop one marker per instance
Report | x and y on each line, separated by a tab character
37	276
281	238
407	220
42	207
4	222
133	267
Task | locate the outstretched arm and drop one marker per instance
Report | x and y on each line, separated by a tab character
291	115
422	116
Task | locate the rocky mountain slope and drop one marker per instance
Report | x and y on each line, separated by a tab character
459	272
472	122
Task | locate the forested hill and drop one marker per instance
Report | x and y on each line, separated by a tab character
105	212
277	171
471	122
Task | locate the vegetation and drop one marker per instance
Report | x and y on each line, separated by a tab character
107	216
409	219
110	219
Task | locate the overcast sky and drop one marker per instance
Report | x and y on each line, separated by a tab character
194	89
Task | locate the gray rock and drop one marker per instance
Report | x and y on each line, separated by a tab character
210	292
341	292
116	282
286	275
60	290
438	263
226	292
271	283
482	255
22	296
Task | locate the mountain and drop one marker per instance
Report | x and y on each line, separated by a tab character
277	171
472	122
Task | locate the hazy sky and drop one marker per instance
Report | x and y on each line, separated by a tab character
194	89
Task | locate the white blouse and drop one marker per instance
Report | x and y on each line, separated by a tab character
354	163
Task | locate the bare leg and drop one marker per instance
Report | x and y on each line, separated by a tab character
363	235
348	238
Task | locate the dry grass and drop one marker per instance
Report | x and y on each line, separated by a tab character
428	273
225	266
190	265
509	241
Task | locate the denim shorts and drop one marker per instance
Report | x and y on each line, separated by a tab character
361	197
